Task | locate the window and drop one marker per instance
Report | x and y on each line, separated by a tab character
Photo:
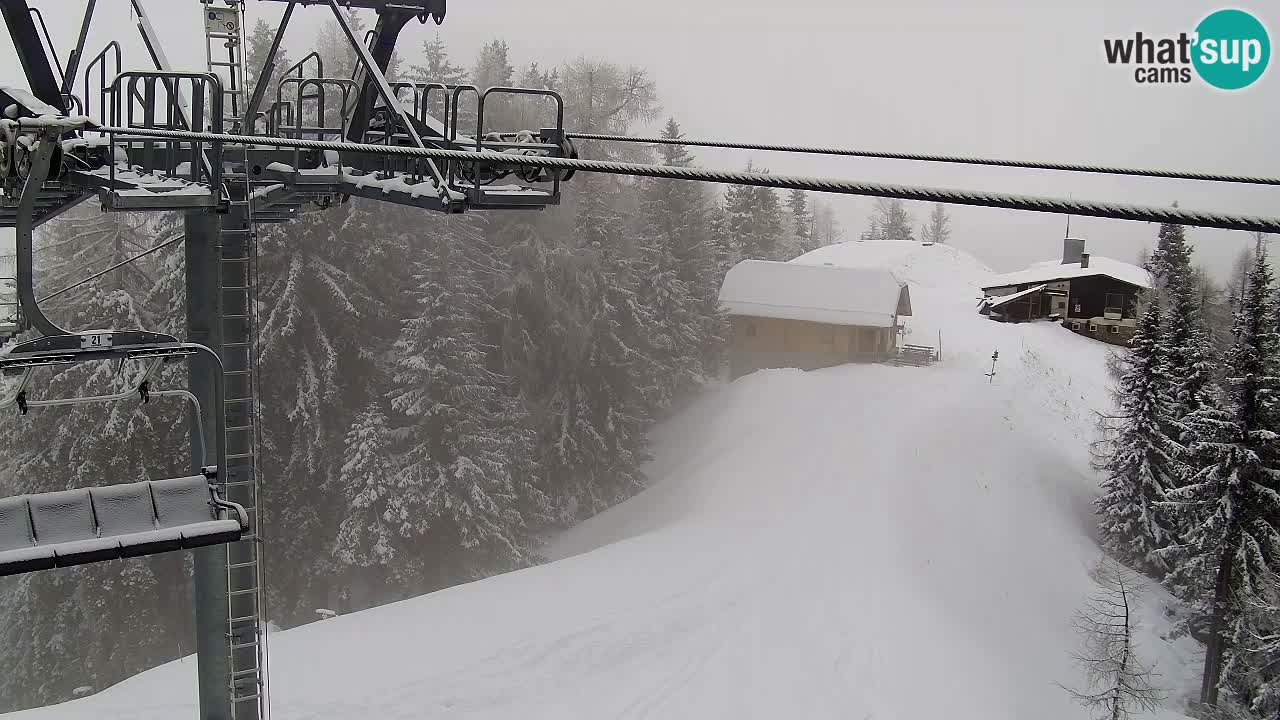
1114	329
1075	326
1115	305
1093	328
751	329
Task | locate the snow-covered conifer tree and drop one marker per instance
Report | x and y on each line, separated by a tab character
1142	464
1230	508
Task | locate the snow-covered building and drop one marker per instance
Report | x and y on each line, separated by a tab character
811	316
1090	295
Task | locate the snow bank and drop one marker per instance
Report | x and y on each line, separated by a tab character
855	542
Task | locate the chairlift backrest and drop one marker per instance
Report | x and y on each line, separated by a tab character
73	527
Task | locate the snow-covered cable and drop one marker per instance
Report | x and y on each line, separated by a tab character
1031	203
953	159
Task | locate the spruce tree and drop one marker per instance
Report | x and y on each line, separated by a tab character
325	291
890	221
939	228
435	66
873	233
1142	465
493	68
1230	508
801	222
738	203
381	509
826	229
681	288
610	400
468	434
766	221
755	220
1190	354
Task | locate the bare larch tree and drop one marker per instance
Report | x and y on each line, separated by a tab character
1118	683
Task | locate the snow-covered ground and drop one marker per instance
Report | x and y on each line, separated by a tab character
855	543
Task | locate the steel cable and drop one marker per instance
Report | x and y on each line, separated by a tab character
1029	203
953	159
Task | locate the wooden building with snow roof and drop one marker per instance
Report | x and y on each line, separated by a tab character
1094	296
811	316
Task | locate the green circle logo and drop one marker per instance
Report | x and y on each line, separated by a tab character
1232	49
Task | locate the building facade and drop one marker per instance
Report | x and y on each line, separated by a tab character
1093	296
786	315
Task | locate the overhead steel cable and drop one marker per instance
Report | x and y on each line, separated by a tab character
1030	203
953	159
117	266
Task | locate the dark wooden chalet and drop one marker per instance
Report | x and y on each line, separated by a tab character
1093	296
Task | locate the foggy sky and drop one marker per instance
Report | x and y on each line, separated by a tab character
1006	79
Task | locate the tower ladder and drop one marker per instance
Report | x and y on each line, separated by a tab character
224	56
246	634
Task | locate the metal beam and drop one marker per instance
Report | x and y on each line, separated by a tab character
268	68
44	84
374	73
25	230
73	60
204	326
433	8
385	35
151	39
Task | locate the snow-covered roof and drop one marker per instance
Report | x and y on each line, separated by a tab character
1053	270
867	297
997	302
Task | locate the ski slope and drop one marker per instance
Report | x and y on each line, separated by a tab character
856	543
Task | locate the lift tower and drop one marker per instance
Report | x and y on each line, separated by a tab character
53	156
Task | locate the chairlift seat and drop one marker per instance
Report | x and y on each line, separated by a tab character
73	527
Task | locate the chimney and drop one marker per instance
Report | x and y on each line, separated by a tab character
1072	248
1084	260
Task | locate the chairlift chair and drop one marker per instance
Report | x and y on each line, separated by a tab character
9	313
86	525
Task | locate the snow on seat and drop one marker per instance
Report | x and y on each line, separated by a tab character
18	551
64	521
184	504
73	527
128	513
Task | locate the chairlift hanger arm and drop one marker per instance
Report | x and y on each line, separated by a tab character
131	392
25	231
152	348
